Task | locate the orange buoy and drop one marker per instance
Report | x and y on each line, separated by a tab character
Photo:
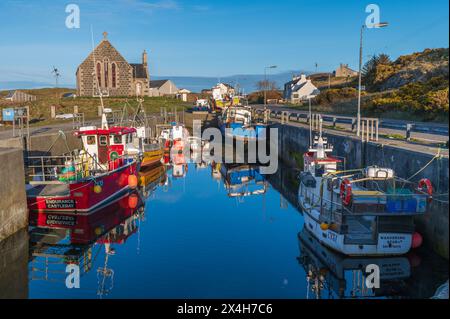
132	181
416	240
133	201
426	186
97	189
324	226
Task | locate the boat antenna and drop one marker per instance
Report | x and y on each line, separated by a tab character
310	124
94	73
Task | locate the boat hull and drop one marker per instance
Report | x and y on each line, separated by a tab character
239	132
87	227
80	196
386	244
151	158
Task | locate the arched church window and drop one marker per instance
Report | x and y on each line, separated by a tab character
99	74
113	75
106	66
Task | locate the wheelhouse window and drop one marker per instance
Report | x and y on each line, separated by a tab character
129	138
90	140
117	139
103	140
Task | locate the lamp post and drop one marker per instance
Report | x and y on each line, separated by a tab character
358	118
265	82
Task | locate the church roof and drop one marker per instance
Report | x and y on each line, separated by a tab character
139	70
104	46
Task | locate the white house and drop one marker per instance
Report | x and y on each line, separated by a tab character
300	89
19	96
183	94
221	90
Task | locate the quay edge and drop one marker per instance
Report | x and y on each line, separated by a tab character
433	225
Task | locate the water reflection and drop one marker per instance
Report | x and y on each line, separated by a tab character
241	180
173	254
55	244
333	275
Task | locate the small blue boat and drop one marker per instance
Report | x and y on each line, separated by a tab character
237	122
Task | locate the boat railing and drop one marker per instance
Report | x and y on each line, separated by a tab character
51	168
68	167
369	203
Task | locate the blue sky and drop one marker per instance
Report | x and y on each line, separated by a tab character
212	38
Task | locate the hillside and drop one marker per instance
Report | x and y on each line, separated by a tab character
414	86
40	109
381	74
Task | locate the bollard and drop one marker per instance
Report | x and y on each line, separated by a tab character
52	111
408	131
353	124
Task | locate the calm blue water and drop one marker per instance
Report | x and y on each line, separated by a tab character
194	241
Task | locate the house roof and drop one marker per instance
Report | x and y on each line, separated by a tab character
11	94
156	84
139	70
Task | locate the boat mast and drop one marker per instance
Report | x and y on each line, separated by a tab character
102	107
310	124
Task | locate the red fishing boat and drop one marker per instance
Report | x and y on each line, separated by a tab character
84	180
86	228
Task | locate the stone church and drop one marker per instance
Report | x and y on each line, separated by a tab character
105	70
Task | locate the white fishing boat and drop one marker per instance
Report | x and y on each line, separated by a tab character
362	212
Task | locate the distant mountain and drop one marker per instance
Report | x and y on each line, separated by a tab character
14	85
246	82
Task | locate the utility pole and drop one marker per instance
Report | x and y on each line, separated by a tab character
358	118
265	83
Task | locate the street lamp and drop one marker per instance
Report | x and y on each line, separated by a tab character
358	119
265	82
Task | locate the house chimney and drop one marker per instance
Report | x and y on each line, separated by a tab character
144	58
302	78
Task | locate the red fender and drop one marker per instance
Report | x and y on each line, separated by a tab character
346	192
425	183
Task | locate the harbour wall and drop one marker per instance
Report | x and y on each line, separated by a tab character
13	206
293	141
14	266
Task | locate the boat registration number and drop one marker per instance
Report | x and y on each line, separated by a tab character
60	220
60	203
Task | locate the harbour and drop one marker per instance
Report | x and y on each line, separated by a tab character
162	226
286	168
153	257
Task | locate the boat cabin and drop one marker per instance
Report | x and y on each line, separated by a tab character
317	162
237	114
107	144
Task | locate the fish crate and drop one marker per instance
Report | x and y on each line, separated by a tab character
405	201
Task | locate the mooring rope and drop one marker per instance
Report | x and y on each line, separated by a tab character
438	155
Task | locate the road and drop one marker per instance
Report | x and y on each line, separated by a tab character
427	132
